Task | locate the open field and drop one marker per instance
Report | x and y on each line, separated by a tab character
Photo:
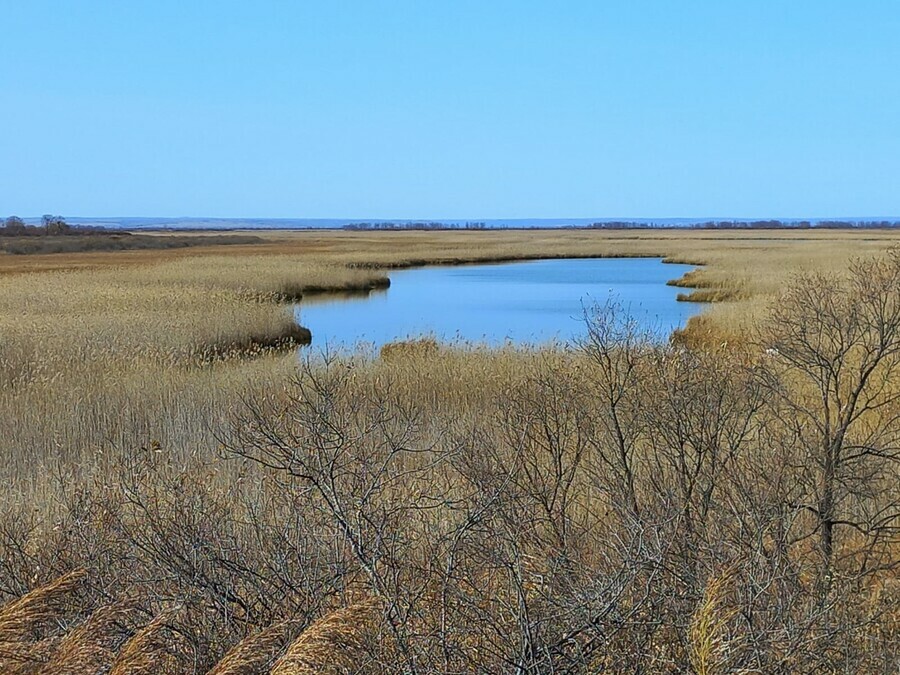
446	504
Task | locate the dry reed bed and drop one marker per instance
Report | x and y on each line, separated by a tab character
485	414
177	306
113	357
97	364
116	357
166	313
472	407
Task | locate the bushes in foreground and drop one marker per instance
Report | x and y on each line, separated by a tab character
618	506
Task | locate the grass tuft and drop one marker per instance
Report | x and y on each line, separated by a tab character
158	648
28	624
25	619
422	347
330	644
92	647
709	638
256	653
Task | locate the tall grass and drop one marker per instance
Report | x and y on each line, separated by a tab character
31	626
120	382
93	646
710	626
156	649
256	653
25	619
332	644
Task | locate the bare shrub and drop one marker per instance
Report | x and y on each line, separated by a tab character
834	349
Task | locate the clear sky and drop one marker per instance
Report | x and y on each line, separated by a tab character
455	109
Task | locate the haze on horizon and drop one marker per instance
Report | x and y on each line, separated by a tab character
647	109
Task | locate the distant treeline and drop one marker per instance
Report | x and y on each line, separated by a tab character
640	225
417	225
51	226
750	225
55	235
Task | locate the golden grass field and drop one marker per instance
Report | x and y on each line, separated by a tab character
112	349
104	353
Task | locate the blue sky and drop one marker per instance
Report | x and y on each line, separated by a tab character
450	109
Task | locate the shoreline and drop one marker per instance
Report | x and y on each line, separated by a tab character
366	289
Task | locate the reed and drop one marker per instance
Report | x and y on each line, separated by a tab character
25	619
709	635
92	646
257	653
499	519
26	659
156	649
30	625
331	644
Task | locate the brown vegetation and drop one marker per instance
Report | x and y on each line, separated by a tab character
727	503
124	241
333	644
54	235
257	652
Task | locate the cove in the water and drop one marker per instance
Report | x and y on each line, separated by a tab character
521	302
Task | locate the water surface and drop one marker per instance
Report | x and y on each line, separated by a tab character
523	302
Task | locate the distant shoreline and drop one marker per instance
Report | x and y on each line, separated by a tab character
187	224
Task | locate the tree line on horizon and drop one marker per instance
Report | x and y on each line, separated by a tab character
50	225
770	224
416	225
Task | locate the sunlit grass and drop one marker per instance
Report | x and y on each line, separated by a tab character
117	354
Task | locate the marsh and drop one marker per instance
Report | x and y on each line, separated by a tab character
522	302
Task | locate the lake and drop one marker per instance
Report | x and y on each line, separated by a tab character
522	302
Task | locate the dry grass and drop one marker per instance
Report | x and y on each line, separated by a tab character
116	350
425	346
165	301
174	312
92	647
709	638
26	619
26	659
119	356
332	644
106	241
105	353
156	649
257	653
30	625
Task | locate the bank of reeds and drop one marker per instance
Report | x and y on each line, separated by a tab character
32	625
111	241
477	493
258	652
512	508
332	644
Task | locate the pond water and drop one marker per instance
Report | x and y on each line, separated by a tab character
523	302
